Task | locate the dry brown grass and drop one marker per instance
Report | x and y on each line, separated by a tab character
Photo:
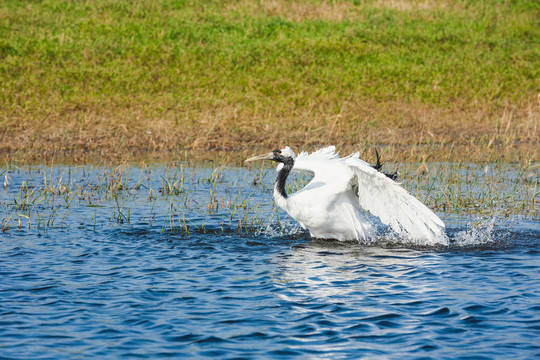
405	132
430	5
335	10
300	11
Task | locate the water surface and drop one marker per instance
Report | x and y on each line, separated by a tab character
177	275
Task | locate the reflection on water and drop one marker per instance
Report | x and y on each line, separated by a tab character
386	300
323	265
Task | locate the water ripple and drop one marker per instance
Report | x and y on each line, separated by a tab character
141	293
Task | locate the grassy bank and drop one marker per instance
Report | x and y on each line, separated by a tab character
437	78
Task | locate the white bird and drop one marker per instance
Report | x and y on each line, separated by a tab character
336	203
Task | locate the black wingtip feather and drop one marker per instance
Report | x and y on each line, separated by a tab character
378	167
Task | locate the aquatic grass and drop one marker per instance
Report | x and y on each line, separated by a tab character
119	214
226	199
478	190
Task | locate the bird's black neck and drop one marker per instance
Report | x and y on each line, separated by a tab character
282	177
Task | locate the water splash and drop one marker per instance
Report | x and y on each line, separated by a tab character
285	227
492	230
388	238
482	232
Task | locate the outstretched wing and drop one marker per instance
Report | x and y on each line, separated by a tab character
327	153
317	163
392	204
327	169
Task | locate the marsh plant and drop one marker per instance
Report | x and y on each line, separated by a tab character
195	198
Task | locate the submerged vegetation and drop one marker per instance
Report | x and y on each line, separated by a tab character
185	199
145	79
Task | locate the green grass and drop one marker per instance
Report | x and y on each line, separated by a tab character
109	71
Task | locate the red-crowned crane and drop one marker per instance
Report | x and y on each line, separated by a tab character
334	203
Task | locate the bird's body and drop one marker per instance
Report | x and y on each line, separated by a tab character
326	206
344	195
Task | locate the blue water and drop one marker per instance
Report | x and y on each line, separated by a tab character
89	288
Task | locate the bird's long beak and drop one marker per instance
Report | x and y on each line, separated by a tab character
268	156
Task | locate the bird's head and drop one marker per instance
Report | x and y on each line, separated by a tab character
282	155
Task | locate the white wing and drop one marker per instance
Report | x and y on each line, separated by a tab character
377	193
317	163
327	153
326	168
392	204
